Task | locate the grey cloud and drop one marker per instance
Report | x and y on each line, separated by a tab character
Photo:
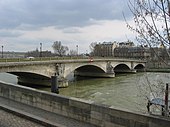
4	33
71	30
60	13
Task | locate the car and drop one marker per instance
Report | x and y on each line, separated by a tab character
30	58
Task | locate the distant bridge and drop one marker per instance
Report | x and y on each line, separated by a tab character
41	71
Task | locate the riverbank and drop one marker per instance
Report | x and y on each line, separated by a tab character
167	70
78	110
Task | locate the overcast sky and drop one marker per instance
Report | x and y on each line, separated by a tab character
24	24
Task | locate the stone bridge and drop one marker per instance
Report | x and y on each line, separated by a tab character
34	72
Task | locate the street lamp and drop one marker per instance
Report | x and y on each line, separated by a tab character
77	49
40	49
2	51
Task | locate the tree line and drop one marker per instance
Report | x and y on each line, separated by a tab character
59	50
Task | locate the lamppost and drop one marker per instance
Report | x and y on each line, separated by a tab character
40	49
2	51
77	50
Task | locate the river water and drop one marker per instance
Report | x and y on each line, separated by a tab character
127	92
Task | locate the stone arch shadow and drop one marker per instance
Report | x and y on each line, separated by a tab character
121	68
89	71
139	68
32	79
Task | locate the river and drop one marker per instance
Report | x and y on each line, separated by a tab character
127	92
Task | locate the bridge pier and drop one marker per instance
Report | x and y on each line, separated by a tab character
54	84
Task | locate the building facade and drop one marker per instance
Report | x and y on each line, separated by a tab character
12	54
105	49
129	50
132	52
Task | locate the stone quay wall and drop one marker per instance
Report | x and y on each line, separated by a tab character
86	111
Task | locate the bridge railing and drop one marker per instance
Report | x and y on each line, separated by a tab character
37	59
55	58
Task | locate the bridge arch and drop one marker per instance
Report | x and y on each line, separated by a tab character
121	68
30	78
90	67
29	74
88	70
42	69
84	67
139	67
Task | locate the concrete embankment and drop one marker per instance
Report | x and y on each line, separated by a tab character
85	112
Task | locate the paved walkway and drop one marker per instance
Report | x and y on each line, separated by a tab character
23	115
10	120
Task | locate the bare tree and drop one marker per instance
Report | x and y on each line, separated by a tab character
92	47
152	20
152	25
59	49
73	52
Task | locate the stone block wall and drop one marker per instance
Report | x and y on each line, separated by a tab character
82	110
